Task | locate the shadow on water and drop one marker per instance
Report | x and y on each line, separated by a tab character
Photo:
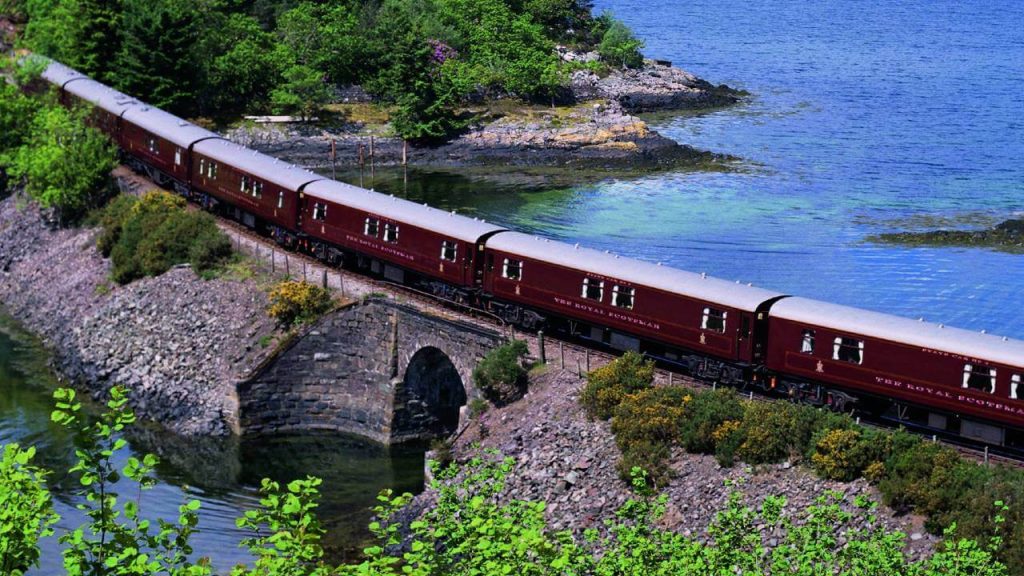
223	473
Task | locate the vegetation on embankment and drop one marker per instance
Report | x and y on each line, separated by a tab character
50	151
1007	236
911	473
422	58
466	531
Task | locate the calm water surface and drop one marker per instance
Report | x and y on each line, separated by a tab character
866	117
223	475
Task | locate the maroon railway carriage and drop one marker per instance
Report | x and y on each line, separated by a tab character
258	188
396	236
160	144
950	379
622	302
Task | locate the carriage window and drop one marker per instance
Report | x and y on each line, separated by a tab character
390	232
593	289
371	227
257	189
807	343
848	350
449	249
714	319
280	199
177	156
622	296
245	183
211	169
981	378
512	269
151	144
1014	384
202	166
319	211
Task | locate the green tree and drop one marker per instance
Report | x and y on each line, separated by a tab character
302	91
500	375
83	34
242	63
16	113
116	540
157	60
65	163
620	48
323	37
26	510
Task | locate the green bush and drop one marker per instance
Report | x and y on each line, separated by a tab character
149	236
608	385
500	375
293	303
844	454
620	48
646	425
26	510
706	412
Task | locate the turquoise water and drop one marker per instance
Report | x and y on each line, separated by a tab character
866	117
224	475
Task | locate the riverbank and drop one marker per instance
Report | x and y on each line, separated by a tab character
1007	236
598	132
568	461
177	342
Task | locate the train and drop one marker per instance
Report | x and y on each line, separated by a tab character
935	377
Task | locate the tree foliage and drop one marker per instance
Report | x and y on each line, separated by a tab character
64	162
26	510
293	303
500	375
619	47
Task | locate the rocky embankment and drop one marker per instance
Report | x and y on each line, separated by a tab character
177	342
1007	236
600	132
568	461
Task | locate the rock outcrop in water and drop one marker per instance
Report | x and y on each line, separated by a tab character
177	342
1007	236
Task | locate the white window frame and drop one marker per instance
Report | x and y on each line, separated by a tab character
280	199
837	345
391	232
707	315
449	245
177	156
628	291
245	184
1014	384
969	371
376	226
807	338
319	211
257	189
589	283
211	170
518	266
202	166
152	145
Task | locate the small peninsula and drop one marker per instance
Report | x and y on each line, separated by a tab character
1007	236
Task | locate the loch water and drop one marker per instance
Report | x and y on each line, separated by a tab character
865	117
224	475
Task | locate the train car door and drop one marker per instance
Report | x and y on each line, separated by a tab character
761	315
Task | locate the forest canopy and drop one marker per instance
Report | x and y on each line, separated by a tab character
423	58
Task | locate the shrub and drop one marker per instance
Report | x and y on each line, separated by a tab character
293	303
620	47
149	236
500	375
111	219
26	510
646	425
845	453
767	432
608	385
707	412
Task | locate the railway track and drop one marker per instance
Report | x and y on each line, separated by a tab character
566	353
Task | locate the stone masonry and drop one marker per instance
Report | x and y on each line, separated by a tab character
378	369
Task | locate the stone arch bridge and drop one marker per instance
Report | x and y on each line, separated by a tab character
378	369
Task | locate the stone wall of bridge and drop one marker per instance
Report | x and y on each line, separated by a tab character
378	369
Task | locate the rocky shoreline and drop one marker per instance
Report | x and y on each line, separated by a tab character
600	132
177	342
1007	236
569	461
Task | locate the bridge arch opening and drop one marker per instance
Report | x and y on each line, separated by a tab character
428	400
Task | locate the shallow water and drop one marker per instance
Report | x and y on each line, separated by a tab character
224	475
866	117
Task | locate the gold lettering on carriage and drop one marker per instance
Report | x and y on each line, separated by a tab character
380	248
949	395
590	309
